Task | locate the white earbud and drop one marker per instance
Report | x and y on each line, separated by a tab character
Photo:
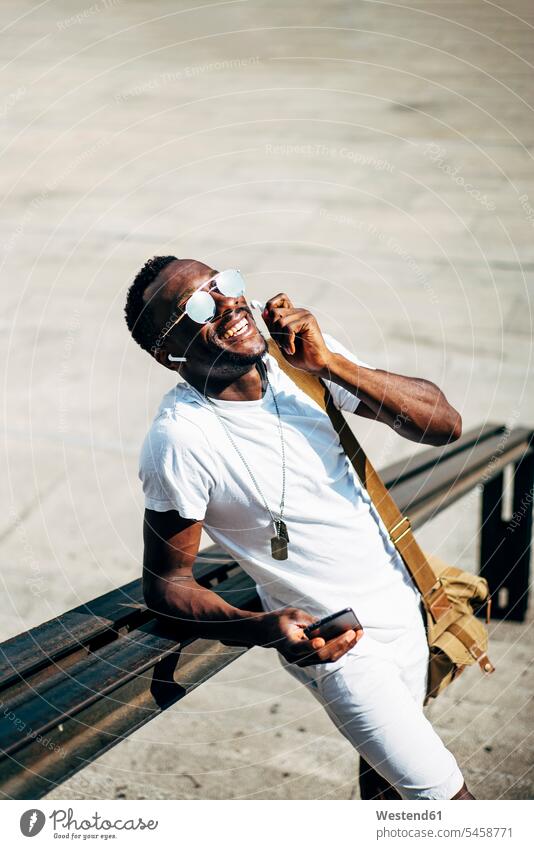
176	359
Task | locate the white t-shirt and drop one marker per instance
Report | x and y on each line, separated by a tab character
339	553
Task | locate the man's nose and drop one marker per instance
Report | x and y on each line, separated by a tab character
226	302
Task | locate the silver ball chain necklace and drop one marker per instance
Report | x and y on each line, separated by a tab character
280	540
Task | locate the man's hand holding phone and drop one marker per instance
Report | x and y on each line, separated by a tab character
285	631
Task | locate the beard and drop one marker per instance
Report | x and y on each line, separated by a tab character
230	362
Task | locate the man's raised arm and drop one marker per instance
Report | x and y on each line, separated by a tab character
416	408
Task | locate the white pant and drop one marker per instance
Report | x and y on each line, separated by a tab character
374	695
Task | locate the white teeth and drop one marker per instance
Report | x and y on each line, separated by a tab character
237	329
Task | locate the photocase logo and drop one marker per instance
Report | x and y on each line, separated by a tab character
31	822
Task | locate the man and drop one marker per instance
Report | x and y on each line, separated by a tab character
239	449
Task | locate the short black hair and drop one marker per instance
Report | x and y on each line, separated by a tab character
138	314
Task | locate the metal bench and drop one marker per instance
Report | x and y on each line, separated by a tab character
75	686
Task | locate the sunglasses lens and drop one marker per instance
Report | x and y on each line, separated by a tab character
230	283
200	307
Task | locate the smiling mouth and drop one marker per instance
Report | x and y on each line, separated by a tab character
237	327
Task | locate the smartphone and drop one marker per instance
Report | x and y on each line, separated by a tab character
333	625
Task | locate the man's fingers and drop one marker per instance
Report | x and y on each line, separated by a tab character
345	639
305	646
284	317
336	648
284	324
281	300
284	338
304	651
328	652
282	312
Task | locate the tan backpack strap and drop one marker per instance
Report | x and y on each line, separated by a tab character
304	380
397	525
472	647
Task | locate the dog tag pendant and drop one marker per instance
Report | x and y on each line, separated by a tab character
280	541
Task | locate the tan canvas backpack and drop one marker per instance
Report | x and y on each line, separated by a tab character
456	637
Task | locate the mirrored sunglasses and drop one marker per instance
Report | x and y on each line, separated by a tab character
201	306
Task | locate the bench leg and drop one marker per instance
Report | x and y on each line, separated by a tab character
505	545
373	786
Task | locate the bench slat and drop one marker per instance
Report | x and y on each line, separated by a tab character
43	763
43	706
48	643
448	480
401	470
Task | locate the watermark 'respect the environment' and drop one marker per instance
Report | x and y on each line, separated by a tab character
189	72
